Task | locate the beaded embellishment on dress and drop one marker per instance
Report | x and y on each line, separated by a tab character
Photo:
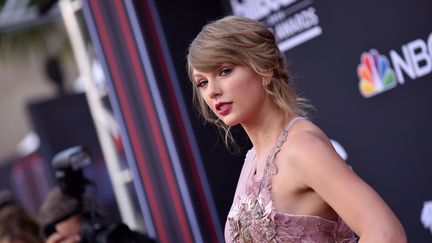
251	220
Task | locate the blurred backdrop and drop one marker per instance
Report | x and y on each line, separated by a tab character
111	75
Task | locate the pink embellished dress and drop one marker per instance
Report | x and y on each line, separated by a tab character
253	218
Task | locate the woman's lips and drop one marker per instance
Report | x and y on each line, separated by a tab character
223	108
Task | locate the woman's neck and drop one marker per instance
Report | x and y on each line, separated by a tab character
264	129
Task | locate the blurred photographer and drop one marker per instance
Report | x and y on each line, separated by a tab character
68	213
61	217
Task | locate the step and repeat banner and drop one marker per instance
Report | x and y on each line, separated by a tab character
366	66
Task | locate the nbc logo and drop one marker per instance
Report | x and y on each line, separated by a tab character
375	74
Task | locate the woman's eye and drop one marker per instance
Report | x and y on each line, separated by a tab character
224	71
201	83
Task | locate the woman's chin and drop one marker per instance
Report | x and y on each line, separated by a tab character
229	122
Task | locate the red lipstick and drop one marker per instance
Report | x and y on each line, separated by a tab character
223	108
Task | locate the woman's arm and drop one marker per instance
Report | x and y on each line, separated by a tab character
321	169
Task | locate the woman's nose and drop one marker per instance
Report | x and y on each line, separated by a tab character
214	90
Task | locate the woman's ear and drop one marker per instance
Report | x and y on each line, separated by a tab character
267	77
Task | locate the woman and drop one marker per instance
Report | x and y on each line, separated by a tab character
293	186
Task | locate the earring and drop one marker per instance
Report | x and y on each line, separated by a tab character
266	82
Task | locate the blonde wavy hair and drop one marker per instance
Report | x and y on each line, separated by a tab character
244	42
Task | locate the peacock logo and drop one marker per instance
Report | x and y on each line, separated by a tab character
375	74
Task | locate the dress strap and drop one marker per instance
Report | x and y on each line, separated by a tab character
270	167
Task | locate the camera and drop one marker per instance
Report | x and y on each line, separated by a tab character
68	166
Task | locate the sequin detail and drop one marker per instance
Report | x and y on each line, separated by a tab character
251	221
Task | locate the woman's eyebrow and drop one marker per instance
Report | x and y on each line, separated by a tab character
198	76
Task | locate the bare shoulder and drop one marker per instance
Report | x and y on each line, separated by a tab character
305	129
305	139
309	152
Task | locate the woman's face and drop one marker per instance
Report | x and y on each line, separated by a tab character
234	93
